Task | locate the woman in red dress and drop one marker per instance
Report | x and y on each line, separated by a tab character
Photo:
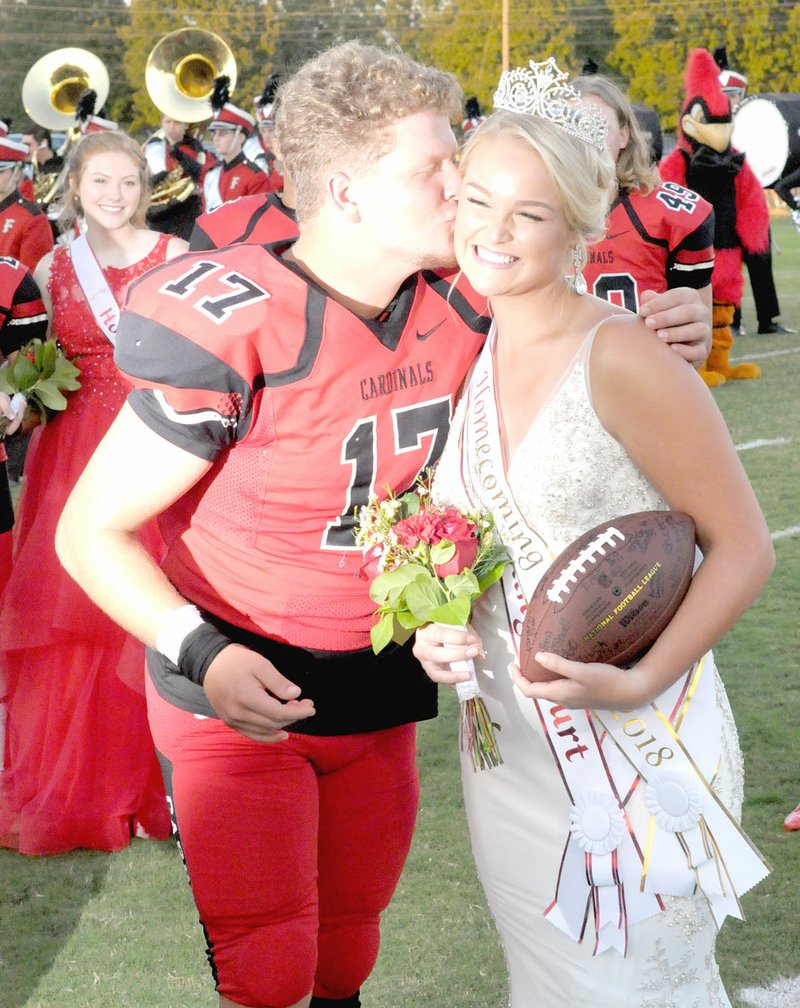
80	770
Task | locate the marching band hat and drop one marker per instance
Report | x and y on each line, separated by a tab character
232	117
96	124
11	153
265	102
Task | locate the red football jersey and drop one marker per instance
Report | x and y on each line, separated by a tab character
304	409
25	231
261	219
654	241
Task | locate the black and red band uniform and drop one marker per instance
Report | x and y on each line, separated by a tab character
177	216
22	318
235	178
25	232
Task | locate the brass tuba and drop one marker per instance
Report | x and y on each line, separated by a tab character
54	83
50	93
179	77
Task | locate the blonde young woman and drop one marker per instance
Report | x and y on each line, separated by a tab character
80	767
568	419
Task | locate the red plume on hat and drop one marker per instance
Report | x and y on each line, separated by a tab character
701	83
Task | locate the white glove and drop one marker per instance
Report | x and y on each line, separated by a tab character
13	409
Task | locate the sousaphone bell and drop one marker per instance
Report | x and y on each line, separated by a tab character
180	73
54	84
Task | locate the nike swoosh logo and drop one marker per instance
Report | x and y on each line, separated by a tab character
430	332
619	234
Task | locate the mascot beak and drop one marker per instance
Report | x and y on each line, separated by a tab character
716	135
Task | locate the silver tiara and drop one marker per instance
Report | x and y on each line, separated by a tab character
539	90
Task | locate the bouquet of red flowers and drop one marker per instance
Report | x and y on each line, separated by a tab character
430	562
40	374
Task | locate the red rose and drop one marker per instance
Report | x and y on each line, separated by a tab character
464	556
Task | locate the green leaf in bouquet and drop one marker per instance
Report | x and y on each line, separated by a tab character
455	612
407	619
491	575
442	551
5	383
24	373
410	502
391	584
46	354
464	583
381	633
422	596
49	397
65	374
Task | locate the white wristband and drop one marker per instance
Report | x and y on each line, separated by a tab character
175	626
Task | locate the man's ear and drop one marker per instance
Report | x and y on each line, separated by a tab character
344	194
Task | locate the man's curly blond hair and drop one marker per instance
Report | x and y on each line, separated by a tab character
338	110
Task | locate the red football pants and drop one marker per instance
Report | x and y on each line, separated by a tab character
293	849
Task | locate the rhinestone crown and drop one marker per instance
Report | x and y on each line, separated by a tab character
539	89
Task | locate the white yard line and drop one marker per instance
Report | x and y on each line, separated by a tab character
765	354
762	443
785	534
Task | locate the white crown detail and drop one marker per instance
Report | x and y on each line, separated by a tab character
539	90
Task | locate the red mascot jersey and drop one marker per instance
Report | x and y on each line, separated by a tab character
654	241
261	219
304	410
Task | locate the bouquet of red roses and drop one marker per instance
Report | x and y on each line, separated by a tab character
430	562
39	375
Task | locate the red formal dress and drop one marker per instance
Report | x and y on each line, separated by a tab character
80	767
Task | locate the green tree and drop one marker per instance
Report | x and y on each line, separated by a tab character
653	42
247	26
305	27
465	38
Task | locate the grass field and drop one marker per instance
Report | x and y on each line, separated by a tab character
110	931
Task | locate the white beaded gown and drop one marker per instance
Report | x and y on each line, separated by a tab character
567	476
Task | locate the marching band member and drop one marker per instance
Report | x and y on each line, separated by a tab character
24	229
235	175
177	162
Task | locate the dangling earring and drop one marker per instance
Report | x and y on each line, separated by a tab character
579	279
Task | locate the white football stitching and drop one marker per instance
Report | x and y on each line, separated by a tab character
597	546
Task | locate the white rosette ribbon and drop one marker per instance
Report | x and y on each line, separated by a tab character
694	843
598	827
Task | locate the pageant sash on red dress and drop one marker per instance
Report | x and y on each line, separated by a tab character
95	288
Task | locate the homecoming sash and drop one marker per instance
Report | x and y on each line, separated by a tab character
606	869
95	288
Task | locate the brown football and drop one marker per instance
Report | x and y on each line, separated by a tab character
610	593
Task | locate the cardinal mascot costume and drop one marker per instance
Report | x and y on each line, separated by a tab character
704	161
